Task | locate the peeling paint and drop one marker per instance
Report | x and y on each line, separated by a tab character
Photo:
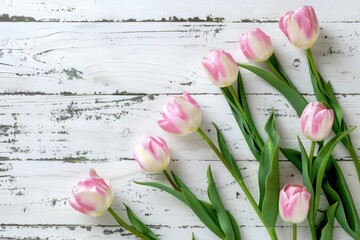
8	18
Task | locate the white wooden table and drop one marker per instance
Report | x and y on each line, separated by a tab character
80	81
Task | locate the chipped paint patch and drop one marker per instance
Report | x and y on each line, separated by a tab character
8	18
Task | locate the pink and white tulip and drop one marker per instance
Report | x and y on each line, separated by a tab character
221	68
256	45
294	203
316	121
92	196
181	115
300	27
152	154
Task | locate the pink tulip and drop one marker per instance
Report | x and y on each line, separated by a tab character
300	27
92	196
316	121
256	45
152	154
221	68
294	203
181	115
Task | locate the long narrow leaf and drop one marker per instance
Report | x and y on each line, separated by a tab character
226	153
321	163
327	231
293	96
307	182
197	207
215	199
270	205
139	225
333	197
250	138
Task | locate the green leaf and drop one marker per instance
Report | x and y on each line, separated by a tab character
294	156
165	188
340	214
235	226
226	153
270	203
198	208
307	181
139	225
243	101
246	130
193	236
327	231
264	169
336	190
215	199
320	164
293	96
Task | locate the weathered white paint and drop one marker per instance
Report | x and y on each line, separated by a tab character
78	95
118	10
108	58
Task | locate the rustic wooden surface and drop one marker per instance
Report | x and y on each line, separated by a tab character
80	81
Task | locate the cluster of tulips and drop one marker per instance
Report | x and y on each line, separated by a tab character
294	202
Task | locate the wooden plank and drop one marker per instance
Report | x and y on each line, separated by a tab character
120	58
39	191
85	232
115	10
105	128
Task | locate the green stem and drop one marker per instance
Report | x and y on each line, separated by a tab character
241	183
314	69
294	232
214	148
313	231
127	226
273	69
170	180
233	94
311	156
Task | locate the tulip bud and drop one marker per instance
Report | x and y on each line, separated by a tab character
256	45
181	115
221	68
92	196
152	154
316	121
294	203
300	27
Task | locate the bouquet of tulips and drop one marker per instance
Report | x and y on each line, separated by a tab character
294	202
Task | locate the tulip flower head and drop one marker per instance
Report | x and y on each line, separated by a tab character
300	27
181	115
152	154
316	121
256	45
294	203
221	68
92	196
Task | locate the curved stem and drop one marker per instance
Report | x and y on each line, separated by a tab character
241	183
170	180
311	156
233	94
127	226
314	69
294	232
273	69
214	148
313	231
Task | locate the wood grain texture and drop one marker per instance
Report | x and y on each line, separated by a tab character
138	10
120	58
80	81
